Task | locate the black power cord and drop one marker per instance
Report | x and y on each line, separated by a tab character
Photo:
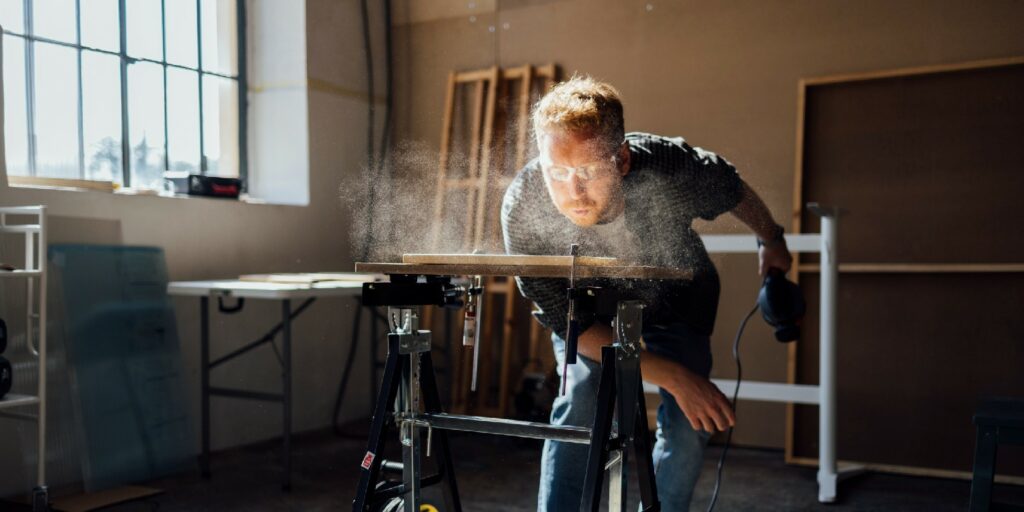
735	396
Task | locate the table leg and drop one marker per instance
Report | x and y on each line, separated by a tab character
286	376
204	372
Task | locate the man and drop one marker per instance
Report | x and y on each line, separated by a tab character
632	196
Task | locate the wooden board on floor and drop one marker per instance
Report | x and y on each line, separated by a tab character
103	499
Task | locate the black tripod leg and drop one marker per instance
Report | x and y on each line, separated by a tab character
598	452
385	398
432	404
644	459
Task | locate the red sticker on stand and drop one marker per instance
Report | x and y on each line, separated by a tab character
367	460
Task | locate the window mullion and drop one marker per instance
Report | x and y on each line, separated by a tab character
243	96
126	151
81	112
30	91
163	36
202	112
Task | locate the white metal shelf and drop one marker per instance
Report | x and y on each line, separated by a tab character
20	273
20	210
21	228
13	400
34	234
823	394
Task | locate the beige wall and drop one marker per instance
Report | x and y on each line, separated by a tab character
722	74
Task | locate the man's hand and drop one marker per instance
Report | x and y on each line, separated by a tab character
774	255
702	402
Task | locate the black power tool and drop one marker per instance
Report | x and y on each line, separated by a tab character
782	305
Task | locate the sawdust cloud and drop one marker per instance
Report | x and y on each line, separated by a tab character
393	207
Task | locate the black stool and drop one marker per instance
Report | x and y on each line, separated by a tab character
999	420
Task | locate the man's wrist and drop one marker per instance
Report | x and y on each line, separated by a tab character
777	237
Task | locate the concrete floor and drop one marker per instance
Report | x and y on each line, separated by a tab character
500	474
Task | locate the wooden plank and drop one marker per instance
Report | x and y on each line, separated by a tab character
37	181
485	157
479	96
506	350
582	271
442	171
478	75
461	184
102	499
921	268
908	470
515	73
797	215
523	117
509	259
914	71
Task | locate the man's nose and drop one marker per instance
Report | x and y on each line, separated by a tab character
577	189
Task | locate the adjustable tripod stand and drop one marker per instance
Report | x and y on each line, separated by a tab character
409	379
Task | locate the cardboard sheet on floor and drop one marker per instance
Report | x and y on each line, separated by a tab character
101	499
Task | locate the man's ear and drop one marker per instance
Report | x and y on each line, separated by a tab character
624	159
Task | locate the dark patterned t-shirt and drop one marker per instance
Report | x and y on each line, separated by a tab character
669	184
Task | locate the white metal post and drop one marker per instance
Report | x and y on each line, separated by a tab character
827	470
41	267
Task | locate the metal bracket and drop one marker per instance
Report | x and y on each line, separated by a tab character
412	343
629	326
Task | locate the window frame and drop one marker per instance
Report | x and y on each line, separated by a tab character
241	78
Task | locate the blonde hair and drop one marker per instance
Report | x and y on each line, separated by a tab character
581	106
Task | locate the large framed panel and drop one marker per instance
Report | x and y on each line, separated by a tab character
929	165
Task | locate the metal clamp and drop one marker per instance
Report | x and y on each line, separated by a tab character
572	324
405	426
629	326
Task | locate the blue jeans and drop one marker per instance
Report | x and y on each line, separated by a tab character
678	450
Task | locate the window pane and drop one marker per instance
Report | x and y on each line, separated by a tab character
182	42
101	116
101	25
220	36
12	15
54	19
220	125
56	109
15	119
146	124
143	25
183	120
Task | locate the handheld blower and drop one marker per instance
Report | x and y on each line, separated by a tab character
782	305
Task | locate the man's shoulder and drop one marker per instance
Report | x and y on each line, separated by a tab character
648	144
657	151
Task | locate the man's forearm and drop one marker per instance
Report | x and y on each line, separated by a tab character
753	212
655	369
702	402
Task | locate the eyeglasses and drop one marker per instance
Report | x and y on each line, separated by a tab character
584	172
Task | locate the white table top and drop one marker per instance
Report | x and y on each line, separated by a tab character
258	290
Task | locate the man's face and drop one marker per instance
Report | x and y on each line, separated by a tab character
584	180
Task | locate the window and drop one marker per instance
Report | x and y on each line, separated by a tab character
124	90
